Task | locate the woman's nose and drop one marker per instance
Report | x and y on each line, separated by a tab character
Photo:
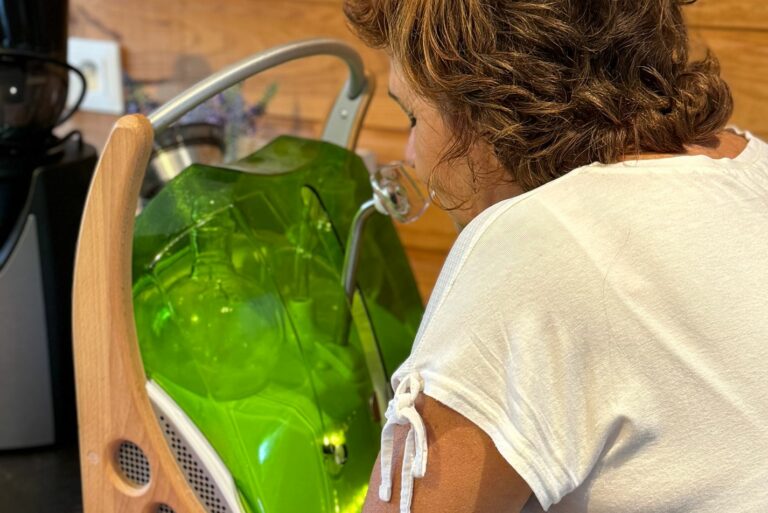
410	149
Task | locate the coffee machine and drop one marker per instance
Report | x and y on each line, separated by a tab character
43	184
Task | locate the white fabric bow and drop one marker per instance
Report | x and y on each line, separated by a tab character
401	411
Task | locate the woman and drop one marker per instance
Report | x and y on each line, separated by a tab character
596	340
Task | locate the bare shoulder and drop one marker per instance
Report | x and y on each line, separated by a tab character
465	471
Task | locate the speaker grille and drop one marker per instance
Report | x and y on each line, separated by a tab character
194	471
165	508
133	464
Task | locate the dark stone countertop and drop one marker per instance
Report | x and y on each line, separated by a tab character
44	480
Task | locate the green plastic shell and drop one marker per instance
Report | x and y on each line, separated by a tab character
243	321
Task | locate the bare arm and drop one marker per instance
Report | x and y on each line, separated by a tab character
465	472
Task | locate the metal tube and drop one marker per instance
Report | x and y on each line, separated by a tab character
236	73
352	252
371	352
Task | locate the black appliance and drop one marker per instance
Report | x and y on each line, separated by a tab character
43	184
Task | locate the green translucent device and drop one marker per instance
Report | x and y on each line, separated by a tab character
251	343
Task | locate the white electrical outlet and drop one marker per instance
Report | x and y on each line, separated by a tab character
99	61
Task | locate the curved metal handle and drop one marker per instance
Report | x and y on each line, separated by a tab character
232	75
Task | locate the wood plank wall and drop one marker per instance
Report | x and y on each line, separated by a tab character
175	42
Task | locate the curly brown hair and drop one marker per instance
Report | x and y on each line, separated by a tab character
552	85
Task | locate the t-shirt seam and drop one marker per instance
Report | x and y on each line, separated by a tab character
538	418
699	168
755	149
545	476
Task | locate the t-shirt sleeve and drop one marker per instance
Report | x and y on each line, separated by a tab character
509	342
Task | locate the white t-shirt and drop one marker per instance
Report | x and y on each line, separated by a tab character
609	332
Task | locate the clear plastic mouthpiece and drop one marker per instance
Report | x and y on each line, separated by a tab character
397	194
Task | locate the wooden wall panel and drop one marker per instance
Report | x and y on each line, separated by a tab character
743	56
175	42
736	14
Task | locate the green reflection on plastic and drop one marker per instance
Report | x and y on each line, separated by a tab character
240	312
